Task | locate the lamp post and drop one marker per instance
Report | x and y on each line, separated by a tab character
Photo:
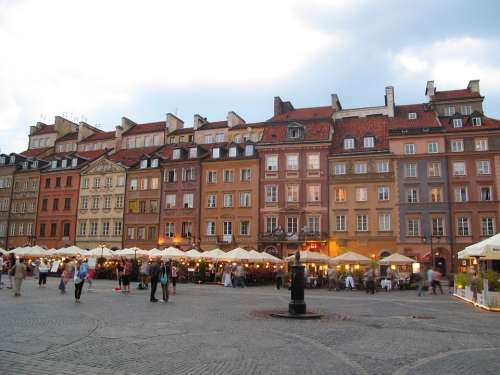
424	239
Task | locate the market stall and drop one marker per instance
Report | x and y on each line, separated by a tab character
399	271
316	264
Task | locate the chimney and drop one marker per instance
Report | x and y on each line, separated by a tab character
64	126
430	90
33	129
118	137
389	100
198	121
473	85
336	103
281	107
173	123
85	130
234	119
127	124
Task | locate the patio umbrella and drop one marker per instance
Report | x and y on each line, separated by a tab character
27	251
235	255
396	259
310	257
488	249
3	252
193	254
174	253
71	251
101	252
126	253
271	258
155	252
351	258
211	254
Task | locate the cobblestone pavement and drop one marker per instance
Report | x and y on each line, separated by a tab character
207	329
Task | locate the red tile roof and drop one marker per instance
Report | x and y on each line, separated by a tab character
425	118
99	136
150	127
213	125
454	94
486	123
68	137
182	131
91	155
299	114
34	152
131	156
358	128
45	129
314	131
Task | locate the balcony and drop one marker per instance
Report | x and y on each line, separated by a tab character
225	239
293	237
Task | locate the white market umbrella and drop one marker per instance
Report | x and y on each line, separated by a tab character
488	249
173	252
125	253
3	252
310	257
26	251
235	255
396	258
155	253
193	254
271	258
212	254
101	252
351	258
71	251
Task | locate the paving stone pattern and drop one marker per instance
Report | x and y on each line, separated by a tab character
207	329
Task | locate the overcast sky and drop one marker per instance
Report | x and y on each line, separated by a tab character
100	60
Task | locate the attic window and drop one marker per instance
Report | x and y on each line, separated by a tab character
154	163
232	152
216	152
249	150
54	164
237	138
144	163
412	116
74	162
369	142
64	163
193	152
12	159
457	123
34	164
176	154
294	131
2	160
476	121
25	165
348	143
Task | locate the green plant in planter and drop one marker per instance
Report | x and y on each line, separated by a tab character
462	279
493	280
201	270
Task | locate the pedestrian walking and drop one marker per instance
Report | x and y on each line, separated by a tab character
81	270
164	280
418	282
349	281
43	271
173	273
154	273
430	281
370	281
90	279
331	274
226	276
10	269
279	278
239	276
144	270
19	275
119	273
66	275
126	273
436	280
451	282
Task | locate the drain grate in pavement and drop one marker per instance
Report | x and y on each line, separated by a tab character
266	315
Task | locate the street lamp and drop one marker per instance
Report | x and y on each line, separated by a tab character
424	239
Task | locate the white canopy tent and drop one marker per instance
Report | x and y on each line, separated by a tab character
351	258
3	252
271	258
193	254
101	252
488	249
35	251
307	256
173	253
212	254
71	251
397	259
235	255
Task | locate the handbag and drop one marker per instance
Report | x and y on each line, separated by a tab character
164	278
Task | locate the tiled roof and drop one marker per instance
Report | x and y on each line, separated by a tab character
486	123
213	125
425	118
304	114
91	155
357	128
454	94
34	152
314	131
252	125
45	129
150	127
182	131
68	137
99	136
130	156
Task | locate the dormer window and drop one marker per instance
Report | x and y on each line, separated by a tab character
12	159
2	160
476	121
466	109
176	154
449	111
232	152
348	143
412	116
64	163
74	162
144	163
237	138
369	142
249	150
25	165
154	163
193	152
53	164
295	131
457	123
34	164
216	152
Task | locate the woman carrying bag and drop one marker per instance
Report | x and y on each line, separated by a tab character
164	279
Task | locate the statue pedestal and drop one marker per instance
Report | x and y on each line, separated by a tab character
297	304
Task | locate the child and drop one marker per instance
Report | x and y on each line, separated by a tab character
90	278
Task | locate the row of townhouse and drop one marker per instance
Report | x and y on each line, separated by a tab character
420	179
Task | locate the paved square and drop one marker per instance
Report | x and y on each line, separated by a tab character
214	330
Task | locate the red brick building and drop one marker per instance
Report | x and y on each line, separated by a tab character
294	179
